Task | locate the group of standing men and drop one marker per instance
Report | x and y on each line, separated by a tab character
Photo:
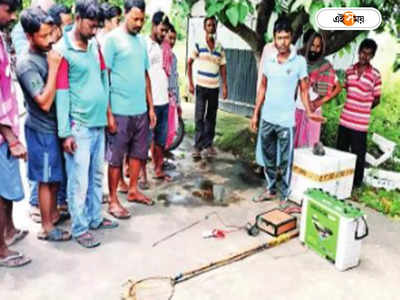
90	100
86	101
293	87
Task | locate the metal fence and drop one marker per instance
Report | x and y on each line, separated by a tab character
242	80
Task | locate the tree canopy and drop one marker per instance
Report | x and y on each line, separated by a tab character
233	14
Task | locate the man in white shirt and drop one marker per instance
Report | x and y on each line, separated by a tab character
160	25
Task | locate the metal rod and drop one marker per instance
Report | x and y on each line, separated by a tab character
186	228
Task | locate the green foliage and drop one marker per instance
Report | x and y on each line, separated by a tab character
386	202
298	4
178	15
314	8
396	65
71	3
233	11
26	3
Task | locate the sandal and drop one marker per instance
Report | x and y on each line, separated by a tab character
34	214
293	210
167	166
120	215
123	189
87	240
164	177
104	199
264	196
64	216
106	224
145	200
20	235
55	235
284	204
196	155
211	152
144	185
63	208
14	261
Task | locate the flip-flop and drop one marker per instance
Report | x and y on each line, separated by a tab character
63	217
87	240
63	208
14	261
284	204
120	216
258	198
20	235
122	191
293	210
104	199
144	186
103	225
167	166
55	235
165	178
196	155
148	202
34	214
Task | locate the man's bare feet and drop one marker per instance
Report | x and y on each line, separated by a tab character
160	175
136	196
123	187
9	234
117	210
18	236
144	185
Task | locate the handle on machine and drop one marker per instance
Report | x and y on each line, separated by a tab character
356	236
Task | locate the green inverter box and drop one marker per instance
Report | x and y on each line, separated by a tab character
332	228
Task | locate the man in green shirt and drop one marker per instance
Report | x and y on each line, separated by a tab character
131	104
81	101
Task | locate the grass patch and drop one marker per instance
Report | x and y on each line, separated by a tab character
386	202
232	135
189	128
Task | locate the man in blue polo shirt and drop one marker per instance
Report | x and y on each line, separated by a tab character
281	74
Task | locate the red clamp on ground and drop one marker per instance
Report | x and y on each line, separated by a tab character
215	233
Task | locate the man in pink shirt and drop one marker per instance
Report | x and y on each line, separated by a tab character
363	87
10	150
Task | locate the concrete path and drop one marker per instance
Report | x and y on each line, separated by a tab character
67	271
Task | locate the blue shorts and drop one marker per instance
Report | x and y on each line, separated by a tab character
45	161
161	129
10	183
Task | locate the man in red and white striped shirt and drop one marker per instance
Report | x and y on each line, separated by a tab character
363	87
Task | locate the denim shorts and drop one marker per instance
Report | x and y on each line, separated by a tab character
10	183
45	161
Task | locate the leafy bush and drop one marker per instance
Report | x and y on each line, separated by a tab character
386	202
385	119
